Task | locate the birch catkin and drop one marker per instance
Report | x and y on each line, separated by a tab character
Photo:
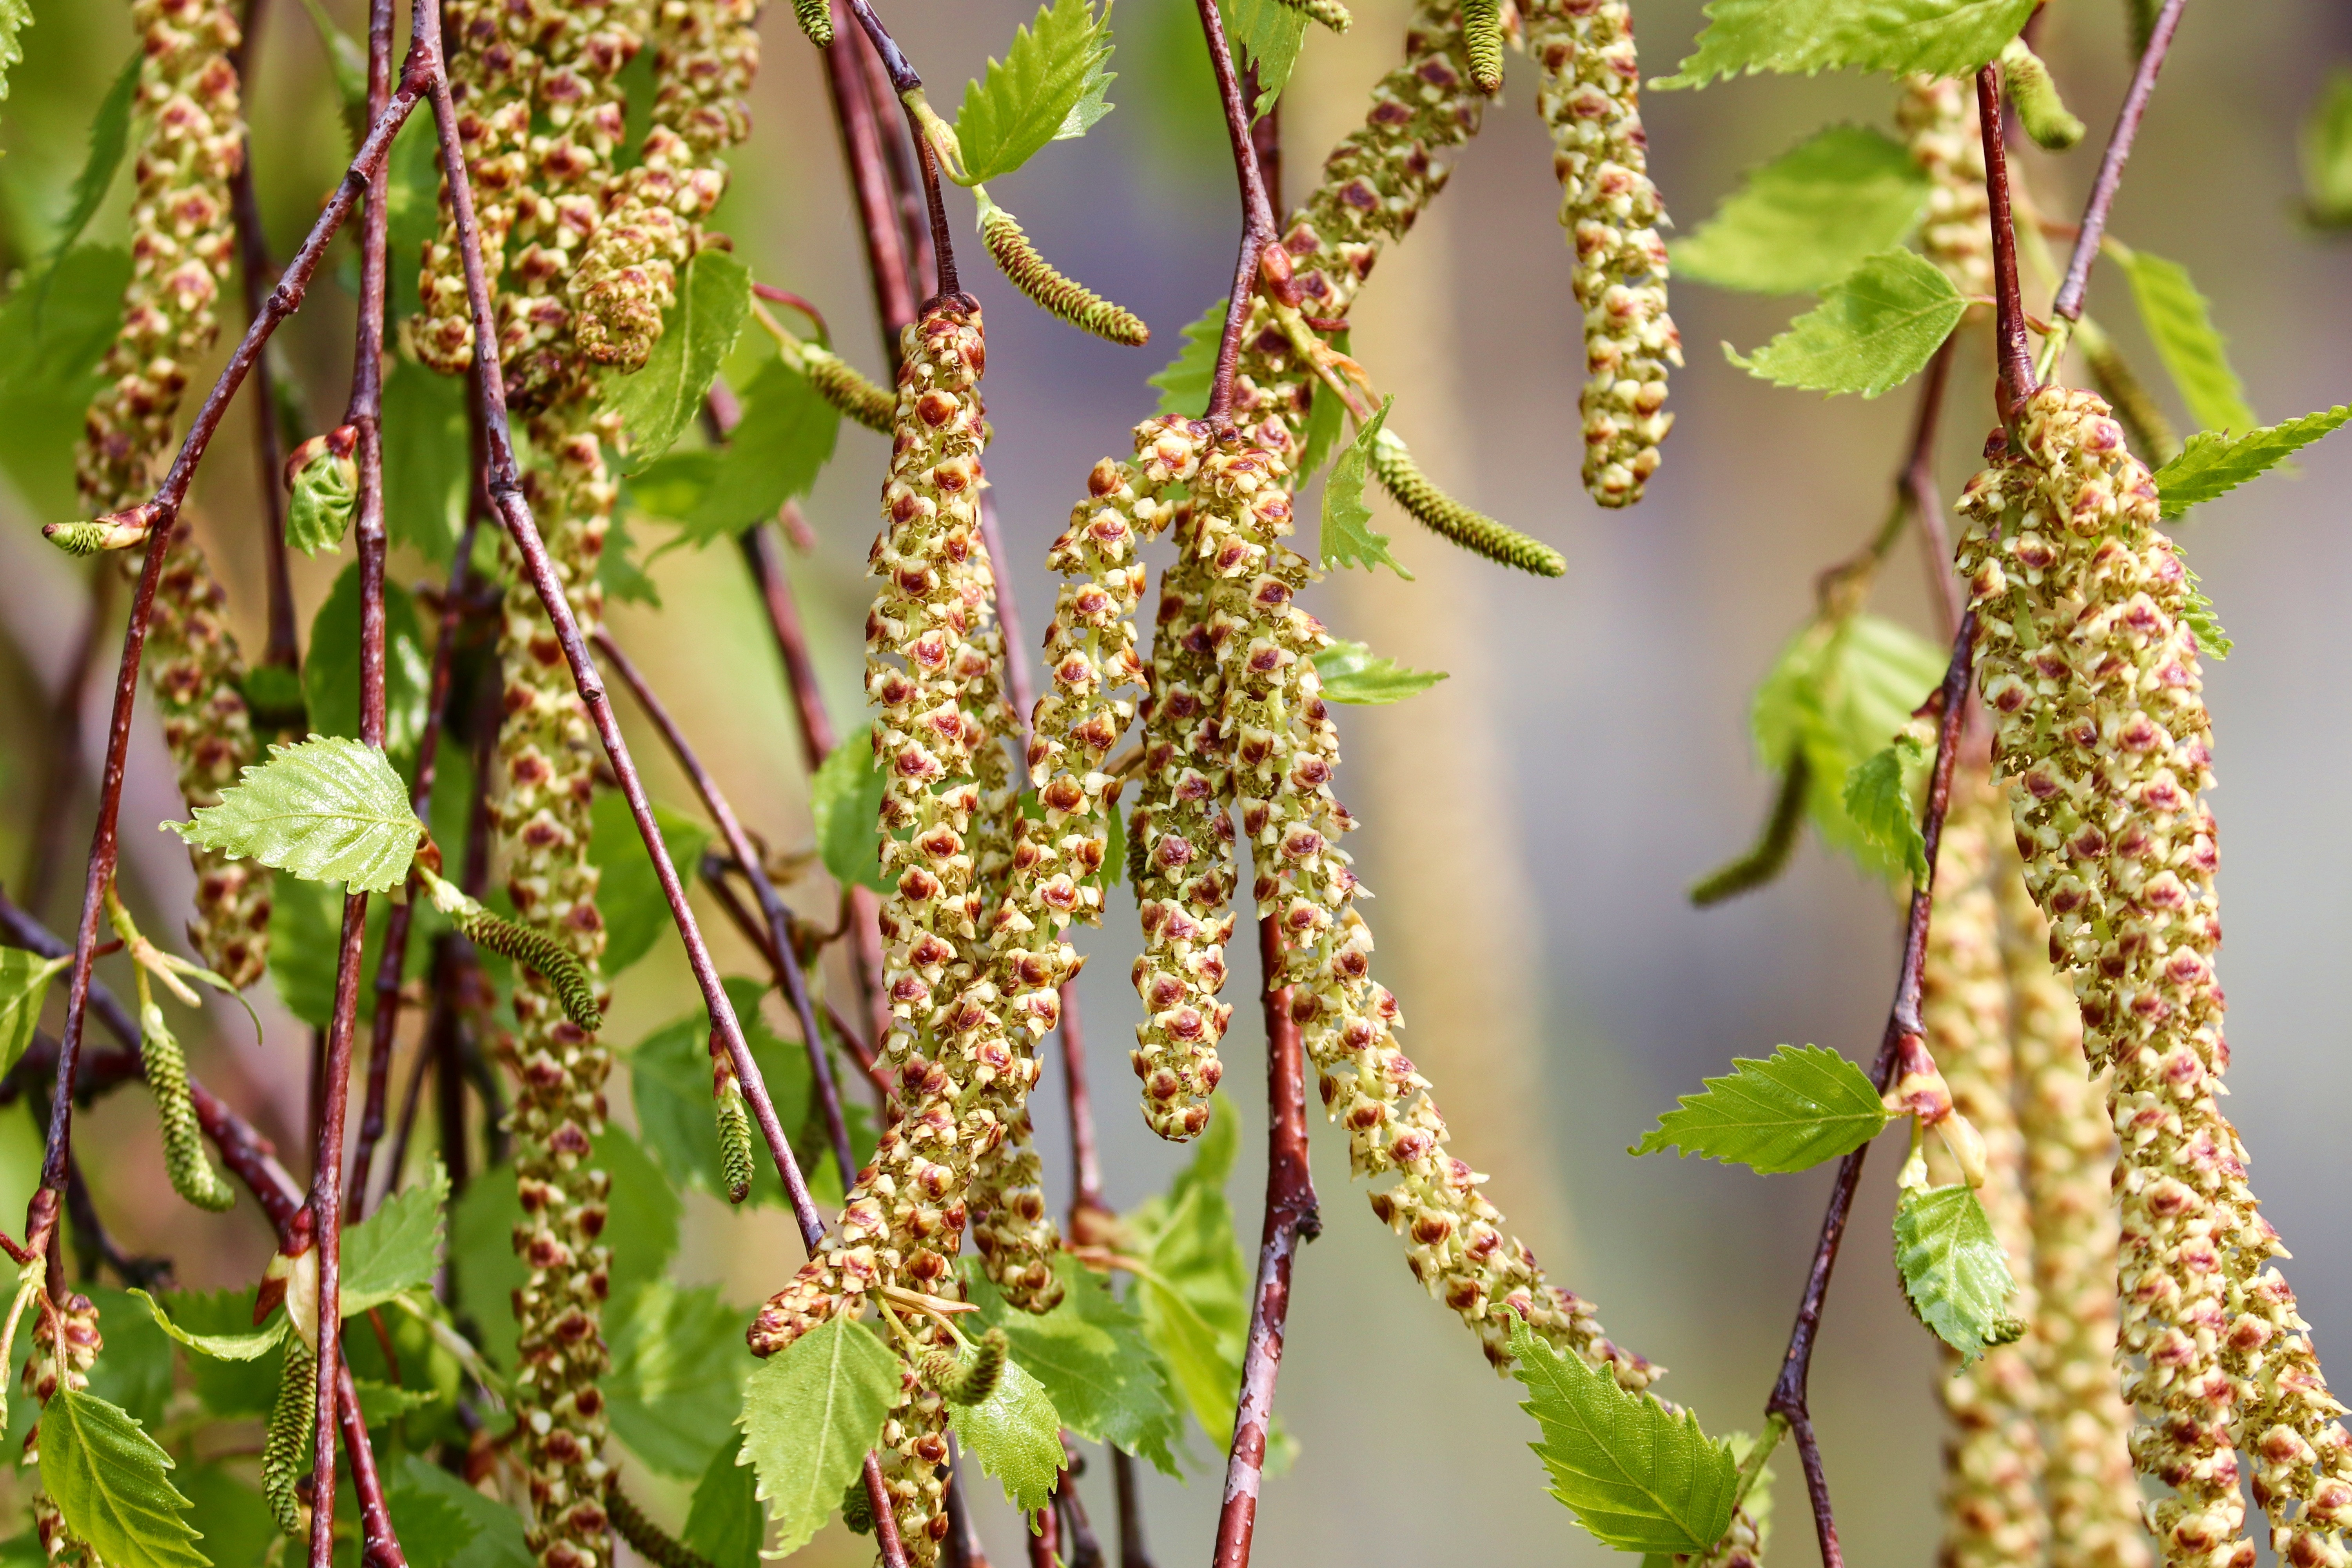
1937	117
77	1321
182	238
493	66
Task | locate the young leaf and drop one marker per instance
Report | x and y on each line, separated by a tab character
1049	86
328	810
111	1482
24	985
1266	34
53	331
786	437
1184	381
1347	541
330	671
1933	38
724	1525
1810	216
15	15
2181	325
1878	802
1638	1477
220	1347
809	1414
2212	463
1791	1111
678	1375
135	1372
1016	1435
1954	1270
1352	672
109	134
845	797
228	1388
658	403
1327	417
1872	332
2327	154
396	1247
629	894
1091	1355
490	1534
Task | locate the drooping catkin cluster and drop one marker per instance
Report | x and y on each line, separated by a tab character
1937	117
1590	99
1992	1443
494	64
2090	1492
76	1320
705	53
183	240
2090	670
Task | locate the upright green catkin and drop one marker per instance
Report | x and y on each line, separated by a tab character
1937	117
76	1321
1027	269
735	1156
1590	99
1449	520
165	1066
182	243
815	17
1482	37
286	1444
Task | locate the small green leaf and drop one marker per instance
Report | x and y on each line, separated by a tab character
1091	1354
1351	672
1016	1435
328	810
384	1402
425	459
1347	540
1933	38
1049	86
24	979
845	797
2212	463
658	403
2180	323
109	134
1266	34
331	670
810	1413
628	893
1641	1477
1810	216
474	1532
786	438
15	15
1184	381
678	1374
1791	1111
112	1483
2327	154
1878	801
1870	333
724	1525
229	1388
1954	1272
396	1247
220	1347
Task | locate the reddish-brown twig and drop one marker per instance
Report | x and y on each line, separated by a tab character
1257	209
907	194
2069	300
282	647
887	265
2012	351
1916	483
903	81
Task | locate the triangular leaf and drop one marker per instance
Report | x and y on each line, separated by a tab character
1351	672
1871	332
2212	463
111	1481
328	810
1878	802
1934	37
1810	216
1346	539
845	797
1266	34
1638	1477
1791	1111
1054	66
1954	1270
810	1413
658	403
1091	1355
109	134
1184	381
1015	1434
2180	323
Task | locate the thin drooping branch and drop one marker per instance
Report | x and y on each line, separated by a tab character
2068	304
780	951
2012	351
1257	209
254	271
716	870
854	113
1789	1391
908	85
906	193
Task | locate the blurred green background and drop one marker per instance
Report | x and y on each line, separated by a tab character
1530	825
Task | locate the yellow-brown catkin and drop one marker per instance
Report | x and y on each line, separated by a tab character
2087	1468
1592	100
1937	117
182	240
2092	673
1992	1445
78	1317
494	62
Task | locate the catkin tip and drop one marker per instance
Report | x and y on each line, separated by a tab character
1053	294
1482	40
1449	519
735	1144
1330	13
565	973
1765	859
815	18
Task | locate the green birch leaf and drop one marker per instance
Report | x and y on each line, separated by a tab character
220	1347
486	1533
2327	154
1935	38
1091	1354
1954	1272
230	1517
229	1388
678	1375
55	331
786	438
2212	463
1870	333
628	893
109	134
845	798
669	1084
1638	1477
619	573
327	810
15	15
24	979
1878	802
810	1413
384	1402
1810	216
1791	1111
398	1247
724	1525
1052	80
2180	323
658	403
1184	381
112	1483
331	670
1266	34
1347	539
1015	1434
135	1373
1351	672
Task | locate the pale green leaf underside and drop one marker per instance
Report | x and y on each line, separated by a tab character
24	984
810	1413
1352	672
1953	1268
1938	37
656	403
1638	1477
1810	216
1790	1111
1015	1435
2213	463
1872	332
111	1482
1347	539
2180	322
327	810
1878	802
220	1347
1050	80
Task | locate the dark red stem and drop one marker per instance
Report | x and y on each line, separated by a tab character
1917	485
1257	209
2069	300
2012	349
854	113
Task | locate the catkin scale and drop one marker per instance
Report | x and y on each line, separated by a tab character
286	1443
961	1381
1440	513
1937	117
1028	270
815	17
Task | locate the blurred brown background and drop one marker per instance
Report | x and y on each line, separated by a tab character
1531	822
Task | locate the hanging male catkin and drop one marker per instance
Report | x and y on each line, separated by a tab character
75	1324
